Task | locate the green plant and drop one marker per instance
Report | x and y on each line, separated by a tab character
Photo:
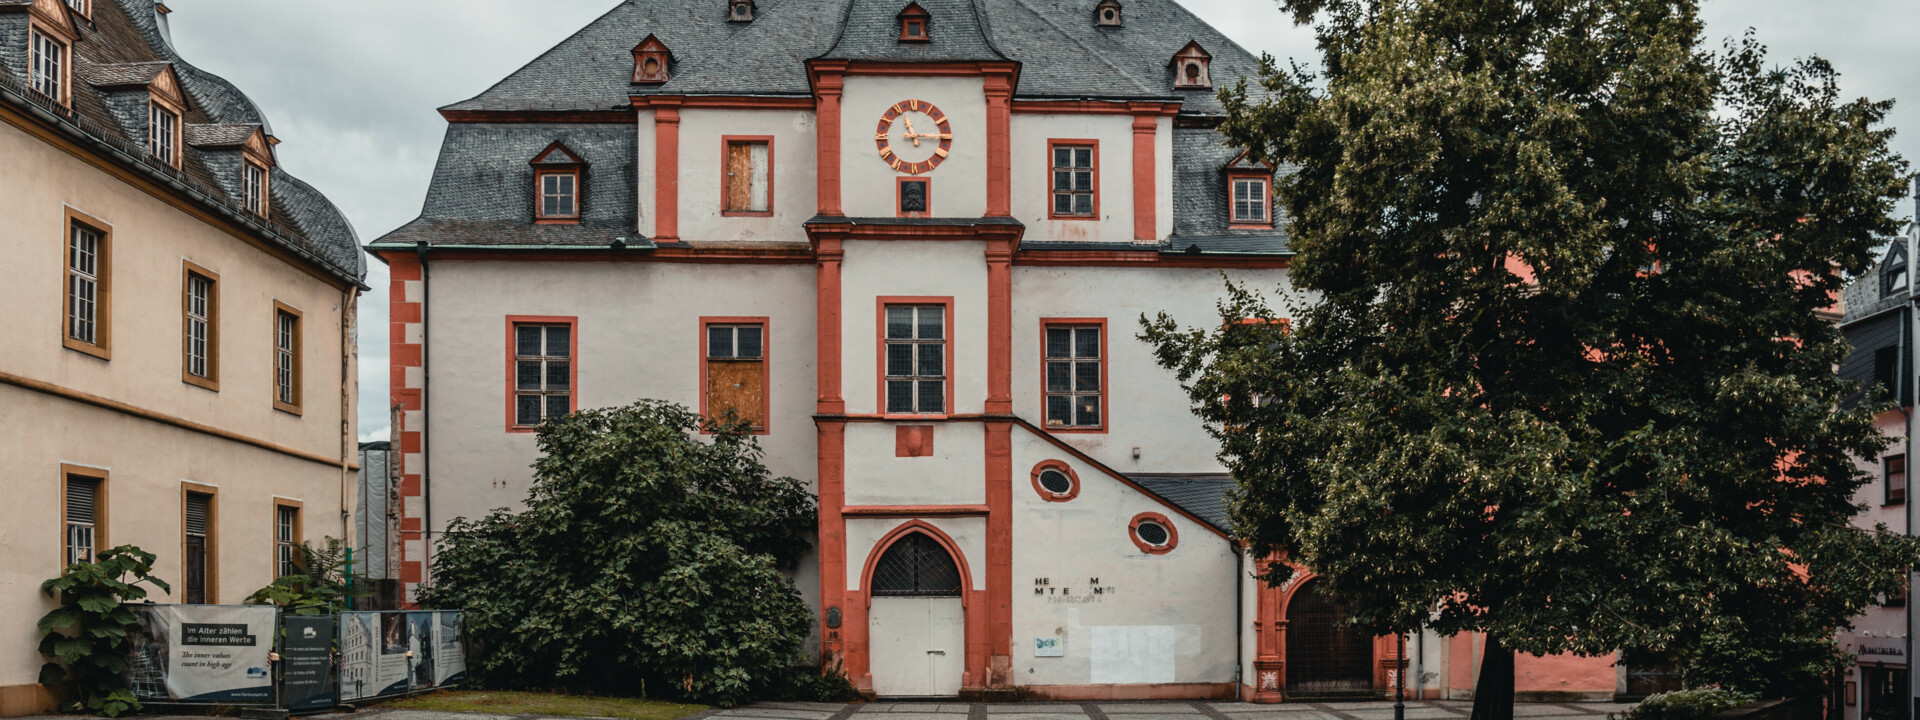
319	589
808	683
1686	704
648	556
88	632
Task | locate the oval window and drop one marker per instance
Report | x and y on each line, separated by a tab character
651	66
1056	482
1152	533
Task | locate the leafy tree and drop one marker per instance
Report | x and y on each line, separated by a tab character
646	559
319	585
92	650
1561	373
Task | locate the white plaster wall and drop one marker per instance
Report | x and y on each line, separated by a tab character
1189	589
959	186
702	163
638	337
1145	406
953	475
1032	181
970	534
874	269
644	169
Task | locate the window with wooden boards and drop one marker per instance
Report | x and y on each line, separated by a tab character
748	186
734	371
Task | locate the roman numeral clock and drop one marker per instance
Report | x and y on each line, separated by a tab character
913	137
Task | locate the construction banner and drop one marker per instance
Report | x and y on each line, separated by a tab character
202	654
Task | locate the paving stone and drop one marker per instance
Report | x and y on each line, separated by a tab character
1413	713
1149	708
1533	710
1302	714
1194	715
823	706
777	713
1065	713
1026	708
906	711
1346	706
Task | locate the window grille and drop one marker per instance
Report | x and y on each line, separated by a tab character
82	495
543	373
83	284
1073	377
1073	180
49	66
916	372
161	133
285	543
916	565
1250	200
286	359
199	323
254	189
559	195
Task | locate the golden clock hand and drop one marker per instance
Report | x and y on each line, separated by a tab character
910	134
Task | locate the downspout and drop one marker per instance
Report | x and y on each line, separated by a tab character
348	443
1239	621
426	381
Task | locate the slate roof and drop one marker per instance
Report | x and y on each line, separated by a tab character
124	44
871	31
1205	495
218	135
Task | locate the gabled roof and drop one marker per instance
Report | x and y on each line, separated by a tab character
1062	54
1203	494
123	46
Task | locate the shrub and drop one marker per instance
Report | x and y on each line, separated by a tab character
1687	704
320	586
96	622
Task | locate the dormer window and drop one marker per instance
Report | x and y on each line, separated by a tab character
651	61
1107	14
1190	68
163	134
557	172
253	187
48	65
1893	274
740	11
914	22
79	6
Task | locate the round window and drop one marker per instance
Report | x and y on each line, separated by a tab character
650	66
1056	482
1152	533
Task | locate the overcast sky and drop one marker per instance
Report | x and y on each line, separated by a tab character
351	86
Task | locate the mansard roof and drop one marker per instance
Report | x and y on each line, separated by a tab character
1061	53
124	44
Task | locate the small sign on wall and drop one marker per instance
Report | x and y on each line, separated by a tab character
1049	647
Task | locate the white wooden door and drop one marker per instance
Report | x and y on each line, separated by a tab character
917	646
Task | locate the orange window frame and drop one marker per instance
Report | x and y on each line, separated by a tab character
102	345
211	380
1093	170
100	502
880	353
899	195
298	367
573	364
766	365
1106	405
1233	221
540	197
726	152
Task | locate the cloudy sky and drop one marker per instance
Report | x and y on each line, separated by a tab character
351	86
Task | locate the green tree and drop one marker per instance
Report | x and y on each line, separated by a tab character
318	585
1558	369
92	650
647	559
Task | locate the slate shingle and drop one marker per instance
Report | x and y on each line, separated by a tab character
1205	495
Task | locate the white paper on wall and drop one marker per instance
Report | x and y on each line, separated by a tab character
1132	653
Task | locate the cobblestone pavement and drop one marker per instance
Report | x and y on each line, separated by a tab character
1161	710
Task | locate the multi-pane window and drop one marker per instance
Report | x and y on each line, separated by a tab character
286	541
49	65
559	195
79	6
1250	200
736	373
199	325
543	373
253	186
1073	181
162	133
916	359
199	538
1074	376
1896	479
749	176
83	512
286	360
84	246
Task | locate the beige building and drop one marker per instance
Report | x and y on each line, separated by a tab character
176	365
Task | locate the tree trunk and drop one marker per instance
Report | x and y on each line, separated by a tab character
1493	694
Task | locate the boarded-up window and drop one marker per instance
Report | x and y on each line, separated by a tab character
749	176
737	373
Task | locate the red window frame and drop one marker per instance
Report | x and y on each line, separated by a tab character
1089	143
1064	469
880	353
766	365
726	145
539	196
1106	362
573	363
1133	533
1237	224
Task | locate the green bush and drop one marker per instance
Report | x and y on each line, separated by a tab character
806	683
648	558
92	652
320	586
1687	704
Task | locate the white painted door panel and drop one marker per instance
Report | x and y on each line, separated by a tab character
917	646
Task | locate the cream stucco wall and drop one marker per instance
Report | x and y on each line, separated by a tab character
1188	591
1146	408
953	475
702	162
969	534
147	461
1033	171
896	268
959	186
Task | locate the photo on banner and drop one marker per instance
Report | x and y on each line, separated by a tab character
420	646
390	665
359	646
202	653
449	648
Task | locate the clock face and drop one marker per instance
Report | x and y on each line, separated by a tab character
913	137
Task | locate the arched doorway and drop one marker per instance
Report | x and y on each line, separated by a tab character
1325	655
916	622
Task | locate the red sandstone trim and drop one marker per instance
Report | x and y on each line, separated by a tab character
666	172
893	511
880	353
1065	469
766	365
1146	127
1106	402
573	362
858	601
1173	534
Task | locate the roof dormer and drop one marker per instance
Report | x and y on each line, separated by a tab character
1107	14
915	24
740	11
651	61
1190	68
